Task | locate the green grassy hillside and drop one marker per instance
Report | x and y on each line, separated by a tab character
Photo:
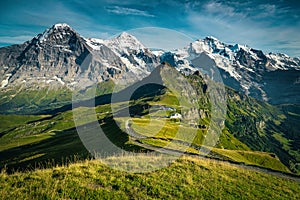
54	139
187	178
255	132
40	99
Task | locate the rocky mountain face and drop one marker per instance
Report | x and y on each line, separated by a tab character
270	77
61	57
132	53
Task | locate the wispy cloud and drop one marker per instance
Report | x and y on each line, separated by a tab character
245	10
218	8
128	11
14	39
264	26
269	10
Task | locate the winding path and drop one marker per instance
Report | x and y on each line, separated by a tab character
136	136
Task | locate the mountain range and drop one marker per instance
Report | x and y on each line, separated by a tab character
41	77
61	58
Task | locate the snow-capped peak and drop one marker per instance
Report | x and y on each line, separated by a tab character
125	35
61	25
208	44
211	38
57	30
238	47
283	61
127	40
124	43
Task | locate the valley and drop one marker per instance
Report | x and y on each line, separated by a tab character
261	130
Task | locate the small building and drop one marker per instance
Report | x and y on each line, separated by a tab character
176	116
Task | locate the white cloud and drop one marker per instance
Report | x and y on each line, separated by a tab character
221	9
269	10
127	11
244	10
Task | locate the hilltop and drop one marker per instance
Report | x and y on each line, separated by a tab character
186	178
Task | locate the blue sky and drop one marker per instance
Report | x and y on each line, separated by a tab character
272	25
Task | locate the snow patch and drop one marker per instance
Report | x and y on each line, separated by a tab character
67	50
94	43
58	79
72	83
4	82
61	25
157	53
